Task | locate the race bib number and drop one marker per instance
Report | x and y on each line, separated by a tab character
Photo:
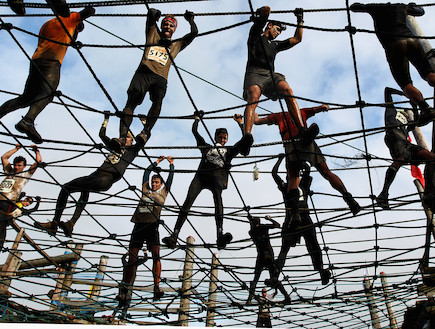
7	185
401	118
16	213
146	206
114	158
158	54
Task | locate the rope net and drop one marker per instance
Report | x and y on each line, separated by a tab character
324	69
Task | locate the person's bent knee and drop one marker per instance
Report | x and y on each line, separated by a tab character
431	79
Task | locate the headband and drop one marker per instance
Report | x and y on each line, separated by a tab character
171	19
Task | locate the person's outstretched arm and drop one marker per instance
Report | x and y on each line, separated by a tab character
297	37
38	158
279	182
152	17
5	158
102	132
199	139
188	38
171	173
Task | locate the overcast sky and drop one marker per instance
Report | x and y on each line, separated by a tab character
319	70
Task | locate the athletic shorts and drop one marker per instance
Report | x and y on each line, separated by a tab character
401	147
145	80
263	79
399	53
42	71
145	232
295	152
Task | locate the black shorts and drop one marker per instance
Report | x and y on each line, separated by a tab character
295	152
145	80
42	71
263	79
142	232
399	53
401	147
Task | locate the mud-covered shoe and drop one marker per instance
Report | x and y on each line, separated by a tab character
17	7
325	275
382	201
354	206
308	135
143	137
426	116
67	228
246	143
49	227
170	242
28	128
223	240
60	7
271	282
158	293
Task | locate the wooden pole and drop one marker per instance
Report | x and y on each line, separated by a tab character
41	262
64	280
77	250
33	244
186	278
12	263
387	297
212	291
95	290
55	294
9	272
371	303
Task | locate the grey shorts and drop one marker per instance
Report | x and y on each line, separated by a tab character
400	147
263	79
295	152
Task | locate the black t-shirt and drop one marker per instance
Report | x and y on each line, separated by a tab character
390	21
257	55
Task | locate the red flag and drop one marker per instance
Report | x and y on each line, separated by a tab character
416	172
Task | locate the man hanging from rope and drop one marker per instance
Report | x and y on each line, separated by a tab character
297	152
152	74
44	74
402	151
15	210
292	230
260	77
212	174
146	228
17	177
111	171
265	256
401	48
